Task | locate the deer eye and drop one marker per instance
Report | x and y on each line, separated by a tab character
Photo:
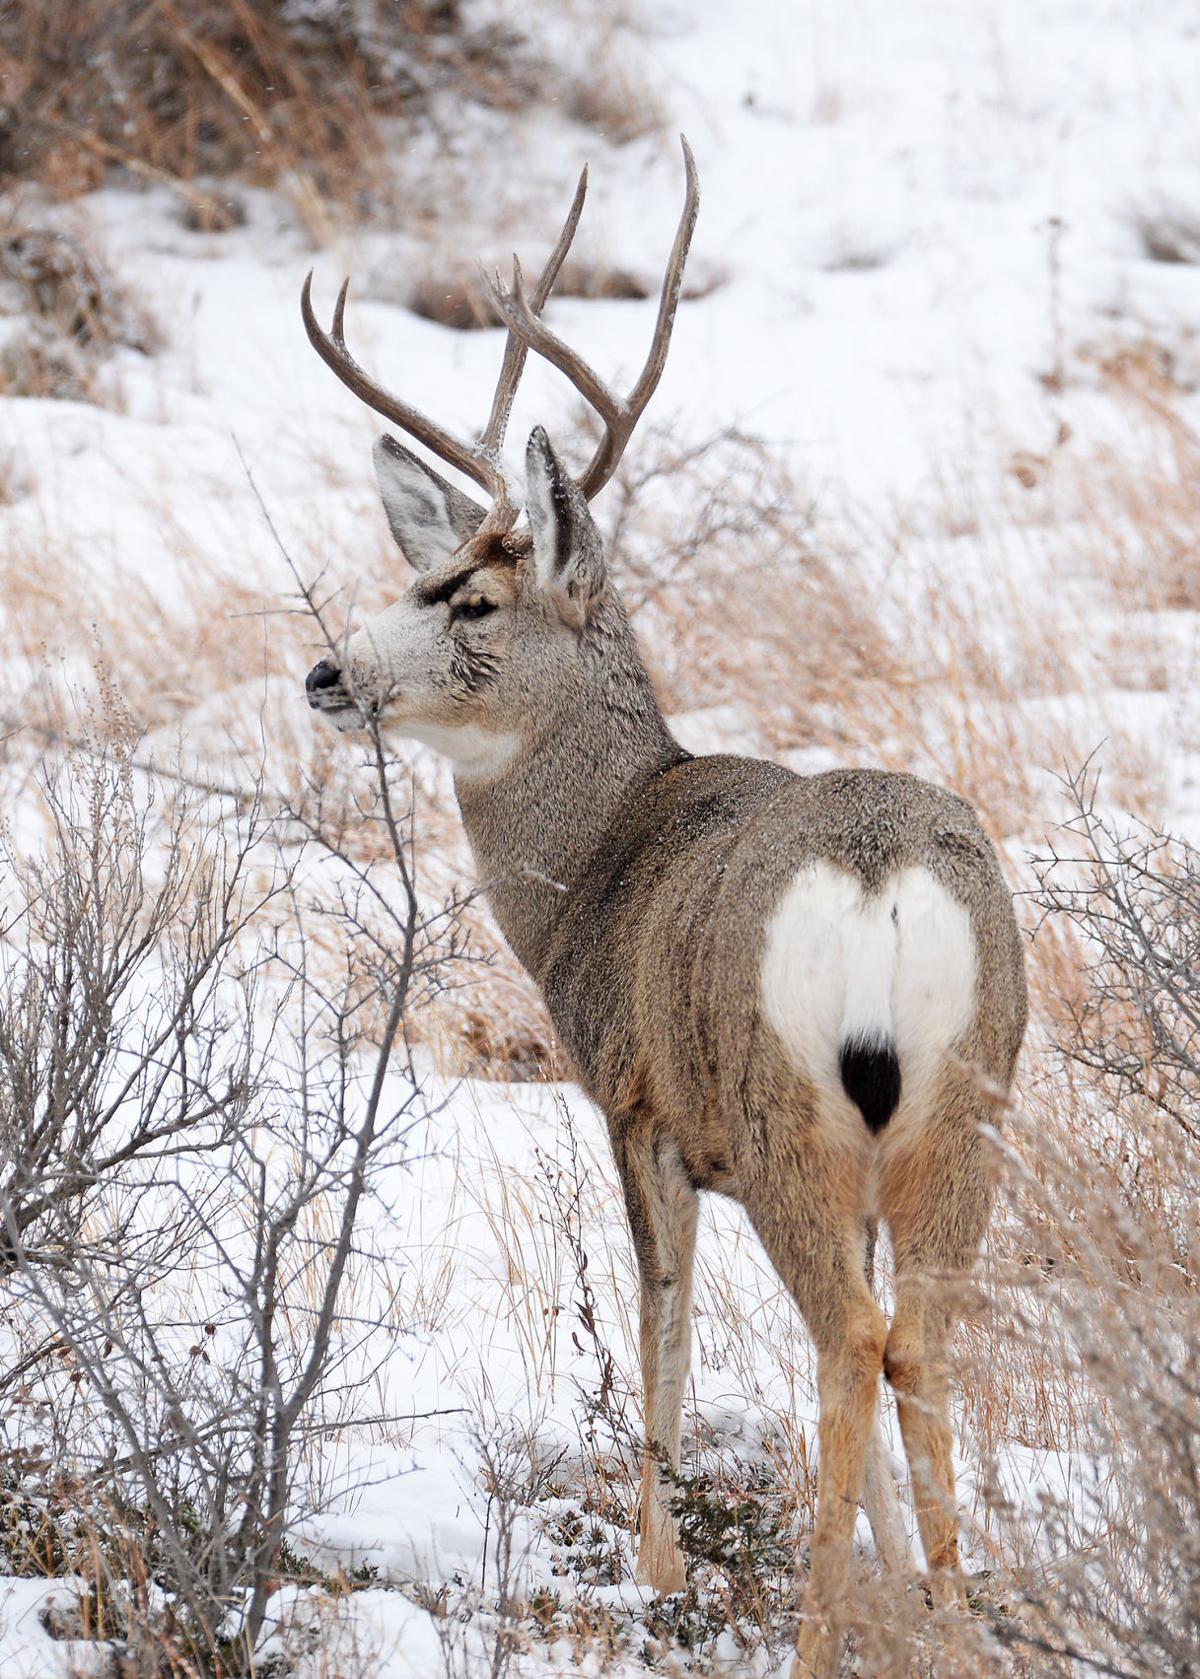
472	609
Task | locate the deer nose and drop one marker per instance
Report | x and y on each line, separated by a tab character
324	674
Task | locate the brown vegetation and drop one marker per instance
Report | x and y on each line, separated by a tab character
196	94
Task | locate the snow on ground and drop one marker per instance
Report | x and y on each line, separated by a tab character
27	1649
911	214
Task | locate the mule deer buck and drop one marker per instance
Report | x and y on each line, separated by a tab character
804	992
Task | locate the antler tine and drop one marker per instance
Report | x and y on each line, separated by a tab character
526	331
491	439
339	314
668	302
331	347
516	309
619	416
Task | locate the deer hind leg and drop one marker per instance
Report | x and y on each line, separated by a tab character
880	1497
815	1246
662	1204
882	1504
936	1194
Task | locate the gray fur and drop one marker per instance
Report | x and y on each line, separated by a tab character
636	883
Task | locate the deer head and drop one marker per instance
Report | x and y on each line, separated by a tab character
498	613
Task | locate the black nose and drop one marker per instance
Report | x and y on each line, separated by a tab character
324	674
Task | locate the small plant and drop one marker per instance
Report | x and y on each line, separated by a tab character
737	1530
594	1552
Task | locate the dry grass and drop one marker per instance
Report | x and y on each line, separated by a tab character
192	95
801	635
455	297
1143	526
71	313
199	96
836	639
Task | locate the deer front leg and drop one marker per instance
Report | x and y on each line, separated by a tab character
662	1205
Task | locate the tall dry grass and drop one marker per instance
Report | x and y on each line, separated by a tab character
312	98
195	95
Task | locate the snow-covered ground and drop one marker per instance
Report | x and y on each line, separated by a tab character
921	234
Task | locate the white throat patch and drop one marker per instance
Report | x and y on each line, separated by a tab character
473	752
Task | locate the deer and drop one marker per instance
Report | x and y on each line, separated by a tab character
804	992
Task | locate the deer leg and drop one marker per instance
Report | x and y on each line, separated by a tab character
914	1360
880	1497
882	1504
936	1197
817	1252
662	1205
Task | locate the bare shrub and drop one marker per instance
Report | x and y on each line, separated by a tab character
701	538
197	1103
111	1049
1107	1571
1132	894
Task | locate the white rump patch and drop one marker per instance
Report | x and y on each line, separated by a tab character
895	965
933	991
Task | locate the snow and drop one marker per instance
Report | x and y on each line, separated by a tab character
27	1650
914	212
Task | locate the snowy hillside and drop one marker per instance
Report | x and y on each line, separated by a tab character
940	341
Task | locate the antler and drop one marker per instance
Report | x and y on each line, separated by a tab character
620	415
480	460
526	331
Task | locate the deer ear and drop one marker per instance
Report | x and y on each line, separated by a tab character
568	555
429	518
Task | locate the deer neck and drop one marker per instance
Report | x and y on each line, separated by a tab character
535	827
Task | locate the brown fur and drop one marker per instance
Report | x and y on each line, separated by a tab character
636	883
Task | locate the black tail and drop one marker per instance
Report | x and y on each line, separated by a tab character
871	1079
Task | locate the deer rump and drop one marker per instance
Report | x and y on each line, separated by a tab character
869	990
